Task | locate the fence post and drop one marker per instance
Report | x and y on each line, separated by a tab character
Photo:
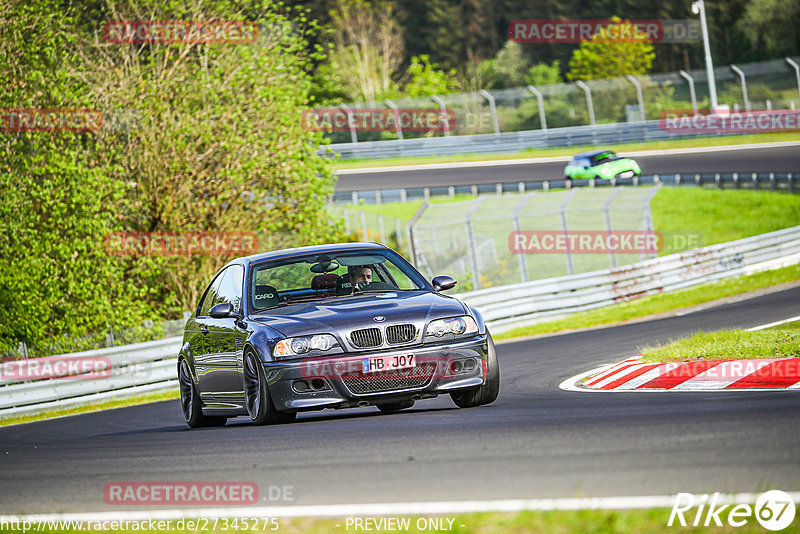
380	229
639	97
739	72
110	337
492	108
350	122
399	231
523	262
796	68
364	230
396	112
410	228
563	213
443	110
607	217
589	104
685	75
473	248
540	100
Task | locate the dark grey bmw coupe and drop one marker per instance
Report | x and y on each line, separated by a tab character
329	326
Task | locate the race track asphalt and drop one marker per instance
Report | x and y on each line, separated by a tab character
736	159
536	440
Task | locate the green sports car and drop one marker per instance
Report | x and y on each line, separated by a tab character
600	164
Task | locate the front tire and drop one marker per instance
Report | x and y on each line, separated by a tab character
487	393
259	403
191	403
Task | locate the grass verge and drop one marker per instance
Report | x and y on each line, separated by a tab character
687	217
660	303
553	522
555	152
782	341
93	407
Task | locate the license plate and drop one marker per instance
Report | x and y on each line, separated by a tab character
387	363
626	174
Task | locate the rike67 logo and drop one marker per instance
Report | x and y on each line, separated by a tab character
774	510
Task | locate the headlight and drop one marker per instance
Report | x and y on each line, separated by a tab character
456	326
297	346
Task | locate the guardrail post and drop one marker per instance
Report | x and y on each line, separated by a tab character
736	180
755	181
718	179
350	122
685	75
426	193
796	68
403	195
772	181
739	72
396	112
110	337
378	197
639	97
492	108
540	100
354	197
790	180
451	191
589	103
445	117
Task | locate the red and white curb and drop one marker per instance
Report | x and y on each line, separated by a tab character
634	375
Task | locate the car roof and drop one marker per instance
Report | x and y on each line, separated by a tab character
591	153
300	251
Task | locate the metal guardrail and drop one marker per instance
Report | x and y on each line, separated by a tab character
105	374
758	181
601	134
150	367
508	307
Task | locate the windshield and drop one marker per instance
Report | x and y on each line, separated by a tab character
333	275
605	157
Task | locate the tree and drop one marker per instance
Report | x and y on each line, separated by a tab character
368	49
426	79
543	74
607	56
773	24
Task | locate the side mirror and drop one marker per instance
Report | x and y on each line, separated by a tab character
443	283
222	310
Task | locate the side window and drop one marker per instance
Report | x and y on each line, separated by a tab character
230	287
210	297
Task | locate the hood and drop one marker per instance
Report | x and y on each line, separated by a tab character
335	314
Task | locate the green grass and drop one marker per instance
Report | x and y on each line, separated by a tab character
93	407
711	215
660	303
782	341
553	522
556	152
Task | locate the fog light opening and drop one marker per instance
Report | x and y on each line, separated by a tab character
318	383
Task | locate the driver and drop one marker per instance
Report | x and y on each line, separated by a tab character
361	276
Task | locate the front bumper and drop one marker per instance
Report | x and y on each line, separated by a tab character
338	381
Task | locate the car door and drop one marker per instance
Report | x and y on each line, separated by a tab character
197	332
226	340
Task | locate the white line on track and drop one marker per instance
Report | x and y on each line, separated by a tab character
382	509
776	323
559	159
